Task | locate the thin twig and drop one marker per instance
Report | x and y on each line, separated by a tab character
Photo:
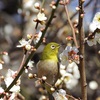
91	35
81	51
43	1
23	59
32	53
71	97
73	31
74	14
42	81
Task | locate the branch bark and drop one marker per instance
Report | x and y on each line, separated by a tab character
81	51
70	23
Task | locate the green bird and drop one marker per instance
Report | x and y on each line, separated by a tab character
48	65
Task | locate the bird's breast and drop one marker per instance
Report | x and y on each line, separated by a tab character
48	68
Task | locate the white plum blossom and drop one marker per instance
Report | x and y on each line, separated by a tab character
36	5
13	96
60	95
1	66
9	78
69	75
43	97
68	68
93	26
95	23
94	41
1	90
91	42
64	59
69	80
36	40
69	55
41	17
73	68
97	37
71	83
97	18
62	66
30	65
23	43
15	88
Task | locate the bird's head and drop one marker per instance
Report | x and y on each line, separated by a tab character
50	51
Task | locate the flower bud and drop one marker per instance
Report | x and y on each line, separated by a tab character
35	20
44	78
29	36
37	5
43	97
44	40
42	10
77	8
33	48
2	78
31	76
53	7
59	81
76	57
35	75
83	1
52	89
82	15
69	38
28	47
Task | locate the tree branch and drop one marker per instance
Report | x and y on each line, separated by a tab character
73	31
81	51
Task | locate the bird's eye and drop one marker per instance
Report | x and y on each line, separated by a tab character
52	47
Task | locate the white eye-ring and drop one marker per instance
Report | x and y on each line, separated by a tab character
52	47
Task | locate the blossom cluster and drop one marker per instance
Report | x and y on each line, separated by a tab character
41	18
8	79
10	76
93	26
68	68
60	95
69	55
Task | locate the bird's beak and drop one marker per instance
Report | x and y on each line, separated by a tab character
59	46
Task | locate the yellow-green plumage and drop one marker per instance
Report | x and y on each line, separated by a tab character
50	51
48	64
